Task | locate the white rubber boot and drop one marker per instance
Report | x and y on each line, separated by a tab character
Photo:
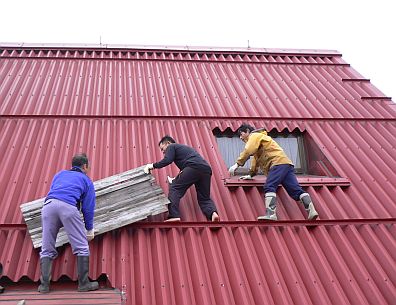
270	204
309	206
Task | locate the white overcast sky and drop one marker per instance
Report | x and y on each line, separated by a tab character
363	31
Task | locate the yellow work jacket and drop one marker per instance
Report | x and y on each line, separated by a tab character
265	151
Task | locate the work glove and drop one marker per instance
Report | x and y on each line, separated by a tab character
90	234
233	168
148	168
170	179
246	177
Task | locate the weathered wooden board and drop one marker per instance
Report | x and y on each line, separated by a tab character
120	200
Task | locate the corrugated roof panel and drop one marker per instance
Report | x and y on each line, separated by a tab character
181	88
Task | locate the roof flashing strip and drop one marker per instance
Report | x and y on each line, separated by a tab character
165	48
302	180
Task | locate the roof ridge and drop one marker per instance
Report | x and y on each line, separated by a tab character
163	48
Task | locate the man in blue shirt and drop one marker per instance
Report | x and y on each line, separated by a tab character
193	170
70	190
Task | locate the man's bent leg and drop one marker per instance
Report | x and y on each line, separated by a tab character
206	204
274	178
75	230
295	191
50	228
178	189
50	223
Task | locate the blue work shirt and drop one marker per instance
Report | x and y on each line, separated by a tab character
72	186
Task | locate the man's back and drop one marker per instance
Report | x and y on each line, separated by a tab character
73	186
68	186
183	156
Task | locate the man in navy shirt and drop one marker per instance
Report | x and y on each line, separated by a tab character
193	170
70	190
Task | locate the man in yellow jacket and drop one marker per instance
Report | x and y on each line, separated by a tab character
279	169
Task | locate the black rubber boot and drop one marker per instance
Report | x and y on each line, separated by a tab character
46	267
84	284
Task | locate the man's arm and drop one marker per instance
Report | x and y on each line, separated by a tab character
251	147
88	206
253	167
168	158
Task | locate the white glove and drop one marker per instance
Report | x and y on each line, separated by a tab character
148	168
169	179
90	234
247	177
233	168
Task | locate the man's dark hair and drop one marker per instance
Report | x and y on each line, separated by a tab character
166	139
245	128
80	159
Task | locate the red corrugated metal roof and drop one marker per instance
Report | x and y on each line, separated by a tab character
141	83
115	104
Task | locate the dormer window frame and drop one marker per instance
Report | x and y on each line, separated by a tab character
300	148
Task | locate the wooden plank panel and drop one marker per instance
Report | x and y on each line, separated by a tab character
120	200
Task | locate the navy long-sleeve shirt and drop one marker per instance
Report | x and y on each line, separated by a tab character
72	186
183	156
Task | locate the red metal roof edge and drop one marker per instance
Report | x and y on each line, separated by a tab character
303	180
153	48
148	224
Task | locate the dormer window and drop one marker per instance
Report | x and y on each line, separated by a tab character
299	146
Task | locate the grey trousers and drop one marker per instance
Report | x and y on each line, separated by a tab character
56	214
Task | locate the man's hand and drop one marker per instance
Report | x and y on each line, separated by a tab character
147	169
246	177
233	168
90	235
